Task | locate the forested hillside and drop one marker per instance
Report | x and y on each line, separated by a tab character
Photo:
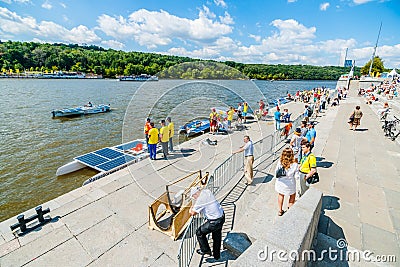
17	57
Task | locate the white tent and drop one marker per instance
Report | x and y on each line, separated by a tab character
393	73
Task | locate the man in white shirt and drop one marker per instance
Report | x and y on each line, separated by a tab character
206	203
248	158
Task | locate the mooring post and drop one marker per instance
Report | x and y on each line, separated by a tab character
22	223
39	212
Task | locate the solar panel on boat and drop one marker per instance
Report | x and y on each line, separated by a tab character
91	159
115	163
108	153
128	145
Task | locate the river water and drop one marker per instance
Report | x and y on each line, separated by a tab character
33	144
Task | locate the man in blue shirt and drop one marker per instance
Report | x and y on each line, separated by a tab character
311	134
248	149
277	116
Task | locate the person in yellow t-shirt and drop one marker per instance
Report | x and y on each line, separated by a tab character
245	109
230	113
164	138
171	134
153	140
308	166
214	117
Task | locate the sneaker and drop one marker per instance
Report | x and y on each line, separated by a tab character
200	252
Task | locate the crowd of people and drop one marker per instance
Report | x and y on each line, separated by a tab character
297	163
385	90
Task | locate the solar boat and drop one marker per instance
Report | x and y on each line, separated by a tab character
108	159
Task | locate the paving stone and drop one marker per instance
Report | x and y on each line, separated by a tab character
379	241
347	211
86	217
372	196
37	247
392	198
71	206
70	253
8	247
375	216
106	234
395	216
133	250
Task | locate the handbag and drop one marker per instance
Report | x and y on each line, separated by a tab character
313	179
280	172
351	119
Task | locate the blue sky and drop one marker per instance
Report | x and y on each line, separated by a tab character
271	32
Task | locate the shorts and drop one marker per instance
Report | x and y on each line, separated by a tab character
213	123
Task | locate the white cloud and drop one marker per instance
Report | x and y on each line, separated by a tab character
226	19
113	44
220	3
63	5
12	23
205	52
360	2
18	1
257	38
155	28
324	6
291	1
47	5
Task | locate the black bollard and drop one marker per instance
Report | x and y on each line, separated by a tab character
39	212
22	223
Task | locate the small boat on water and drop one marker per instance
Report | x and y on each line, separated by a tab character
108	159
138	78
197	127
78	111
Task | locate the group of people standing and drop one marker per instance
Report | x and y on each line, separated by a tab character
298	164
163	135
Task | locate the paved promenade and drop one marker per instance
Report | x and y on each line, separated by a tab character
360	173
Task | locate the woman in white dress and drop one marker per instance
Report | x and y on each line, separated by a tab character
286	185
295	143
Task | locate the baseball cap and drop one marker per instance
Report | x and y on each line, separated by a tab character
194	190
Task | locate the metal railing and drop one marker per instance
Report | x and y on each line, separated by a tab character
220	177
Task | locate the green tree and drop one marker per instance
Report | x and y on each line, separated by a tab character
377	66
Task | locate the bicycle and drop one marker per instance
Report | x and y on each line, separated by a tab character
389	128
